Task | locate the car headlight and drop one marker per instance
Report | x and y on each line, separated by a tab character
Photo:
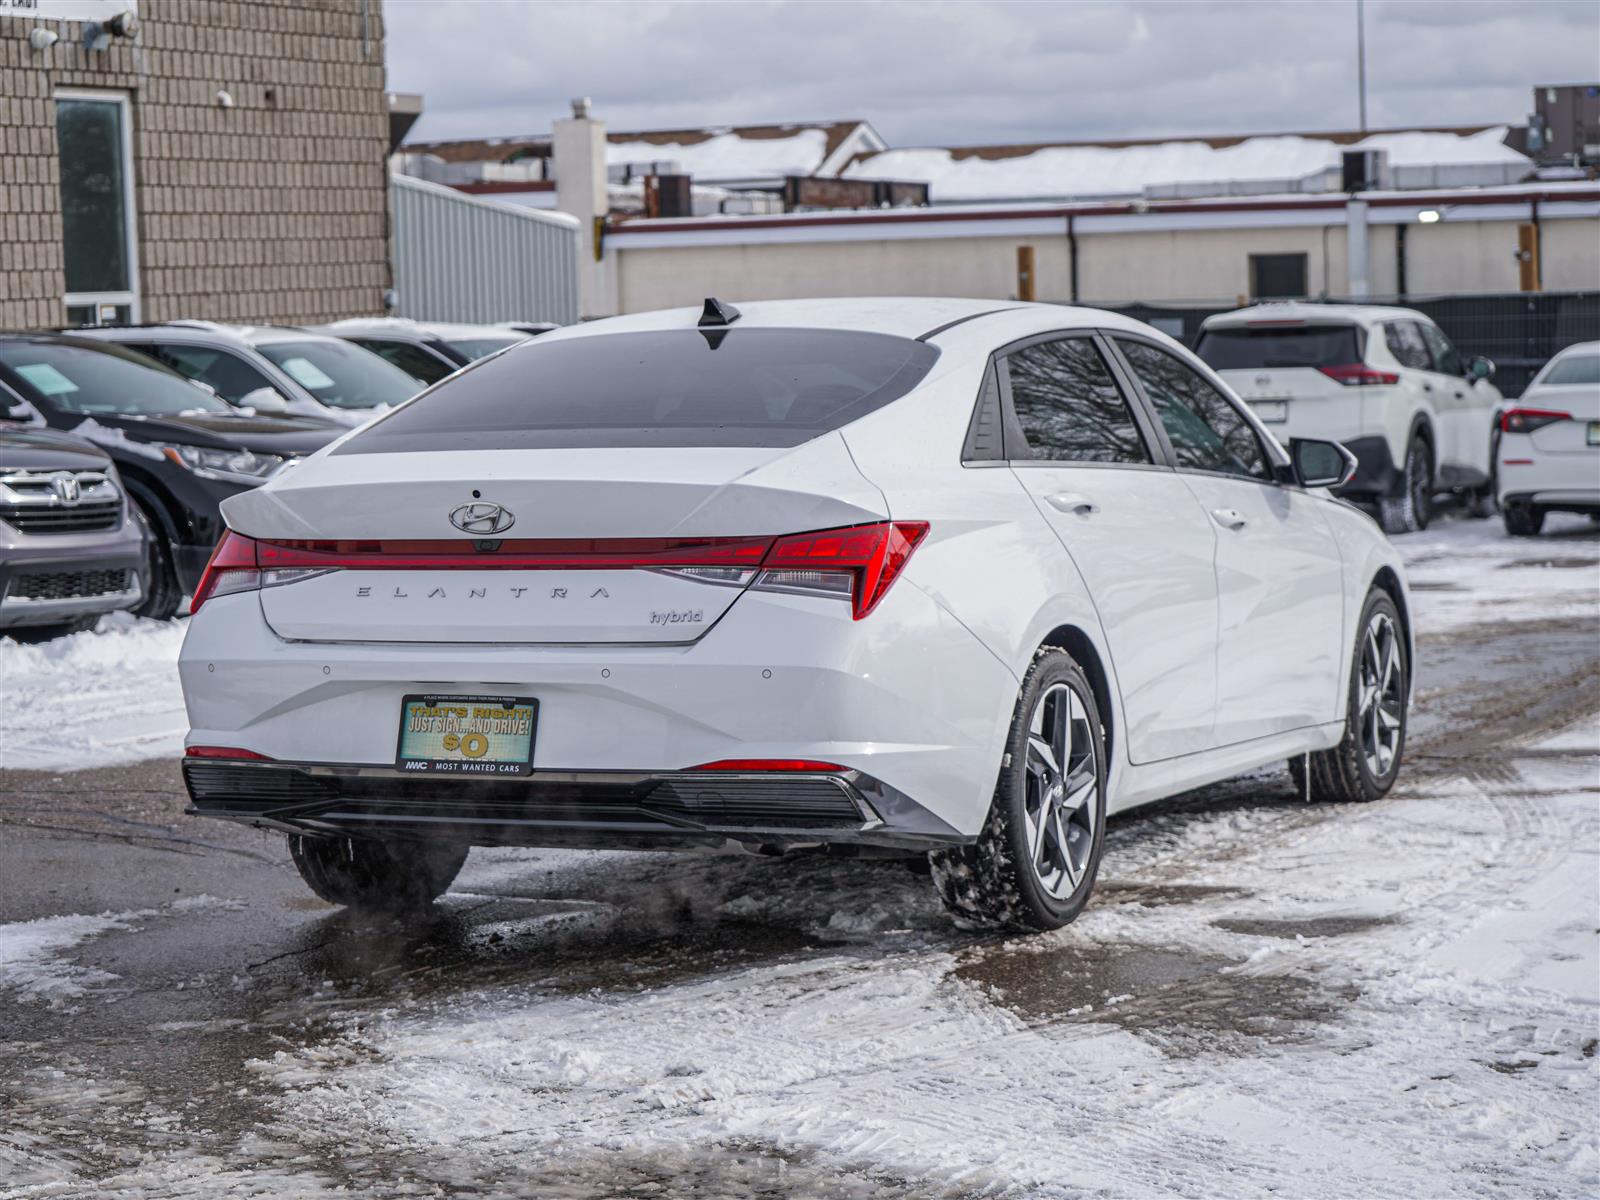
233	466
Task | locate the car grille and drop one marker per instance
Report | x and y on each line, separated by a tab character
43	502
69	585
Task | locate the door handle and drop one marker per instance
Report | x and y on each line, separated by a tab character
1229	518
1427	387
1072	502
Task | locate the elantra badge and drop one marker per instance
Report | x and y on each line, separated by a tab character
482	518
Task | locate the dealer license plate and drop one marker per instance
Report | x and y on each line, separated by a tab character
1594	433
1271	412
467	735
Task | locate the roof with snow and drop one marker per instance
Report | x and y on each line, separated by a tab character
1246	165
709	153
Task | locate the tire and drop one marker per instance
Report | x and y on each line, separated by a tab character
1523	520
375	875
1366	762
1485	502
1023	872
162	594
1410	511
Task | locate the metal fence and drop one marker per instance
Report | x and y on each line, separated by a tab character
461	258
1520	331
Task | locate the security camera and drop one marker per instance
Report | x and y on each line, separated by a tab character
224	99
124	24
41	38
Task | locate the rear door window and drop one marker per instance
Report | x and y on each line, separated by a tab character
674	387
1069	407
1206	431
1446	358
1405	342
1243	348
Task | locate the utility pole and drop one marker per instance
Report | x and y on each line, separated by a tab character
1361	57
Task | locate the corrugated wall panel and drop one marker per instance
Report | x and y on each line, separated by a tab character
461	258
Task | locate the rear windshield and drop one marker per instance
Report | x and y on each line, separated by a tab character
1234	349
1575	368
681	387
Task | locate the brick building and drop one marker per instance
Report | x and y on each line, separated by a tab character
191	158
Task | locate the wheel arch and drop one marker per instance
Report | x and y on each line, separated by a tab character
154	499
1387	580
1076	642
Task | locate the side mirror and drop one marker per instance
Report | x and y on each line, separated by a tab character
264	400
1321	464
1480	368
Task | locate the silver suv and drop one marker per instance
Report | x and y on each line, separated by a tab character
70	549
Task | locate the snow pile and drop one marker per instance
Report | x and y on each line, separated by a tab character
730	156
1087	171
28	963
106	696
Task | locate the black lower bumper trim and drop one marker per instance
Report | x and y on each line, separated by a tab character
547	809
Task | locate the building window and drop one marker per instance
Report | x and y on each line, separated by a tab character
95	150
1278	276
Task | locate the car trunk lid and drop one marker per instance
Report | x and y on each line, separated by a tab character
613	545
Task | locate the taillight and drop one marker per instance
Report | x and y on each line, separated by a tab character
1526	420
1359	375
232	568
859	562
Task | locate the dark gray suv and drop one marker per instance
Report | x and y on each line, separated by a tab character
70	549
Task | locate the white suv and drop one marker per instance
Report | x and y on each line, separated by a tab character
1384	381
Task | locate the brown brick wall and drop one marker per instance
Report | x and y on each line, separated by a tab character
274	210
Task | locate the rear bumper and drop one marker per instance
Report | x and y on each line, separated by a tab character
617	810
908	698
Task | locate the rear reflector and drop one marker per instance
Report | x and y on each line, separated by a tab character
858	562
232	752
1526	420
1359	375
768	764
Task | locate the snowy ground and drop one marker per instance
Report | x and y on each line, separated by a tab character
1264	998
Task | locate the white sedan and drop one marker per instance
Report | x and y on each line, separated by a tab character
1550	443
943	578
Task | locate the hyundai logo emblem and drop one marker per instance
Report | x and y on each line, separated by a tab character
482	518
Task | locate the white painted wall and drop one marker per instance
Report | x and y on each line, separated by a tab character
1212	265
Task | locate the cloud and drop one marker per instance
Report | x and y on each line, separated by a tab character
958	72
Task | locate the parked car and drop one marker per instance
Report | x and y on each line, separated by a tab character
820	573
179	450
1550	443
70	547
1384	382
272	369
425	350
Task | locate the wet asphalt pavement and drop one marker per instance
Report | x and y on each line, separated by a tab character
229	960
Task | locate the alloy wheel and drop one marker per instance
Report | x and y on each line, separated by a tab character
1380	704
1060	780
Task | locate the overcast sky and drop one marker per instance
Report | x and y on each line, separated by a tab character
954	72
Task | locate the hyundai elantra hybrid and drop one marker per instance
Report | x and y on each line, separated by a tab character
950	579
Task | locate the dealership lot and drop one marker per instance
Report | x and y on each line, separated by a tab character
1257	983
